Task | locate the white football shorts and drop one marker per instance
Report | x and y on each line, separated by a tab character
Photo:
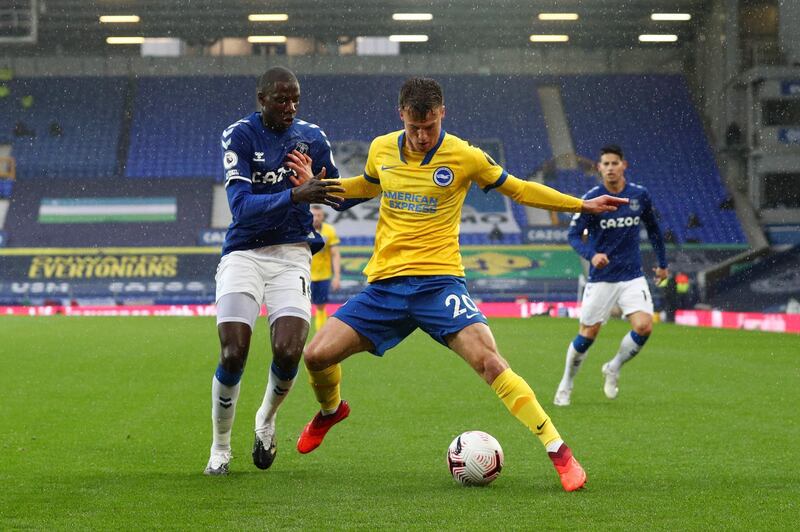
277	276
599	299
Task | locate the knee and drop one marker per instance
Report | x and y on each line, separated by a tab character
643	329
233	356
492	367
314	357
590	331
286	354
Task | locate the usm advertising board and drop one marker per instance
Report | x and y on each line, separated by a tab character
186	275
116	274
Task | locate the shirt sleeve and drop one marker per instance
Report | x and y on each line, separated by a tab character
654	231
484	170
359	187
577	226
237	150
268	209
322	157
333	240
371	166
537	195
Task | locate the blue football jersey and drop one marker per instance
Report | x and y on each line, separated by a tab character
617	235
257	184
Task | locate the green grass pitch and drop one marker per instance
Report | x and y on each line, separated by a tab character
106	425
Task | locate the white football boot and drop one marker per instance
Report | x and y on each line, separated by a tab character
610	387
562	396
218	463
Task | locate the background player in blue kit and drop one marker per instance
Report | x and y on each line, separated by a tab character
266	256
615	277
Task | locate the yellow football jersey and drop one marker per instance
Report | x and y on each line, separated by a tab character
321	266
421	199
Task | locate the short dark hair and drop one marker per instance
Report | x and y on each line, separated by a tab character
274	75
612	148
420	96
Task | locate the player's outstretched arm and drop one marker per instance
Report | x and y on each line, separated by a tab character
537	195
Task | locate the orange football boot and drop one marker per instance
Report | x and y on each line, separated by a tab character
316	429
572	475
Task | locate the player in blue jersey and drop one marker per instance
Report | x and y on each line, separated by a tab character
266	256
610	242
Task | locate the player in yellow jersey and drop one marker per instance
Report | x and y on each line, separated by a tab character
326	269
416	276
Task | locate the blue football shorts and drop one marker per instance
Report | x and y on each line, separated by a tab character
319	291
388	310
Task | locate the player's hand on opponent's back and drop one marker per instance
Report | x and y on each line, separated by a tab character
310	188
604	203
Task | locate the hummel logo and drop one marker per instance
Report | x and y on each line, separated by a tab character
259	158
225	402
539	427
385	167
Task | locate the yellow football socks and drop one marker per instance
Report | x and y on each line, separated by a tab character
521	401
325	384
320	317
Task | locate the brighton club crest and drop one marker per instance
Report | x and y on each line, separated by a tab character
443	176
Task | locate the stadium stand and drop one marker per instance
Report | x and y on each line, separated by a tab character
63	127
653	118
176	122
767	285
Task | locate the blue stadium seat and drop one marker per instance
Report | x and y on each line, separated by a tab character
89	113
653	118
6	188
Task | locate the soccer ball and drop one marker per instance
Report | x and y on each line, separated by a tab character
474	458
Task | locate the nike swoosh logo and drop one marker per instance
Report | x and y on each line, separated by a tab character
470	316
539	427
384	167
